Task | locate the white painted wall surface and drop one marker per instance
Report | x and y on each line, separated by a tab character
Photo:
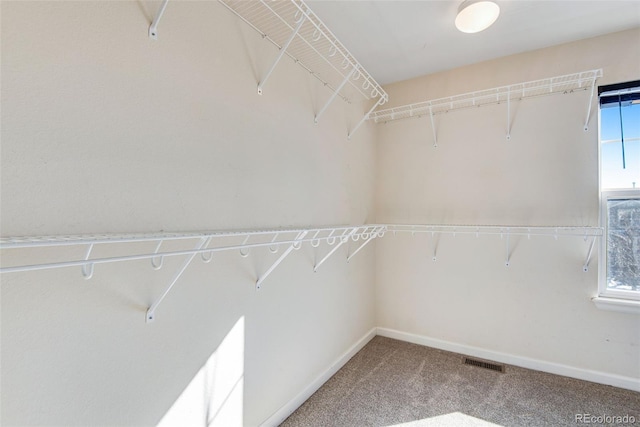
104	130
547	174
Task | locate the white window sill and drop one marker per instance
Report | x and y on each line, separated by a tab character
617	304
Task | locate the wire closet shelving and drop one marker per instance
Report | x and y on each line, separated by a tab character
565	84
504	232
154	248
296	31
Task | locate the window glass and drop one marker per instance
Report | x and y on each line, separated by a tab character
620	168
620	189
623	244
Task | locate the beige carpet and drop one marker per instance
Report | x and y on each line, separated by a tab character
393	383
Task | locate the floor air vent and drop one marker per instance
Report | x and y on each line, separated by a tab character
483	364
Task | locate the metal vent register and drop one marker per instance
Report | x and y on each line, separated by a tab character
484	364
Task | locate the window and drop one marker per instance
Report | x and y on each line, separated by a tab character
620	191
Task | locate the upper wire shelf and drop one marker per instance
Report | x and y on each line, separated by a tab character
314	46
568	83
297	32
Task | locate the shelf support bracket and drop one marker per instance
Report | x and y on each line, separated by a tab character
586	122
343	239
585	267
508	255
434	257
509	114
366	116
283	49
151	311
335	93
293	246
433	128
87	269
373	235
153	28
157	266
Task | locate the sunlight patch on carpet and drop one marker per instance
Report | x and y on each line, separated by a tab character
454	419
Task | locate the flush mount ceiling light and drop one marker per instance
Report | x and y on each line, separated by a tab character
476	15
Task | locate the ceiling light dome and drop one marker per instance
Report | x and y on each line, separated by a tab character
476	15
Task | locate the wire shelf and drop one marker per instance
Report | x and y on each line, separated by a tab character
217	241
186	245
314	46
569	83
501	230
505	232
206	244
246	239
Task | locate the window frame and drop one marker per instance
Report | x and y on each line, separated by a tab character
612	299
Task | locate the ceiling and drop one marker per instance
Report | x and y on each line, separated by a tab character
401	39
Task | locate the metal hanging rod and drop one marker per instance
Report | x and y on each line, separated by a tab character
569	83
297	32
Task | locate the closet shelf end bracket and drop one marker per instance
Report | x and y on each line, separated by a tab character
153	28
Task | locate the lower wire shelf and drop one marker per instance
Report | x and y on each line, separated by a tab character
283	241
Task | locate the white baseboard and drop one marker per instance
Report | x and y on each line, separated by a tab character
628	383
281	414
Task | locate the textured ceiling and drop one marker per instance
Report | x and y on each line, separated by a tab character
398	40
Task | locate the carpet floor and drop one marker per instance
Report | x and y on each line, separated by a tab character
394	383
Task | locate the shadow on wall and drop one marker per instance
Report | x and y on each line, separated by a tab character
214	397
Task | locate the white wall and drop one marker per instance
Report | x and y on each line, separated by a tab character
104	130
546	174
